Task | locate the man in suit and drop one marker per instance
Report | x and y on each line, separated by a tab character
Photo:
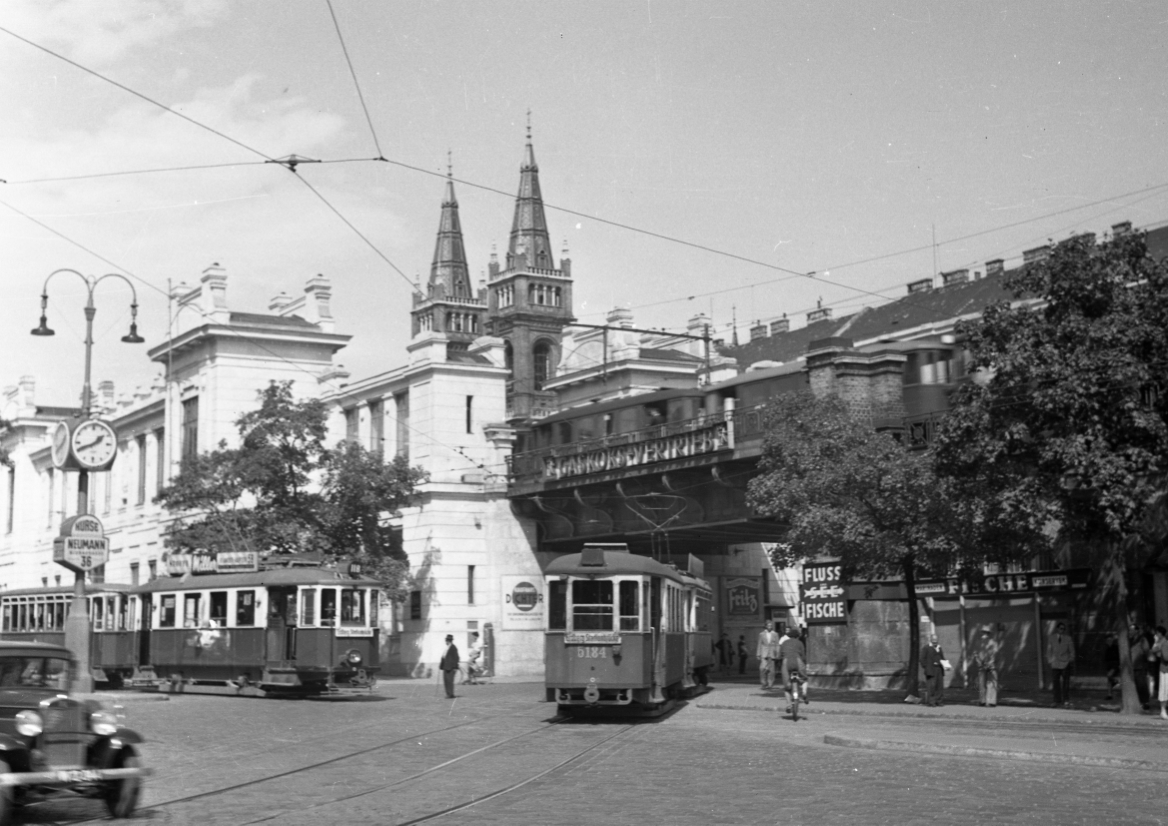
767	652
931	661
1060	653
449	665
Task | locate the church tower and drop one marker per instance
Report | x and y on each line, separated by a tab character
529	300
449	305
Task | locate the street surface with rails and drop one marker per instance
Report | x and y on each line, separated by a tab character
499	754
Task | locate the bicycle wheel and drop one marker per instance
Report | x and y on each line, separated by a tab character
795	703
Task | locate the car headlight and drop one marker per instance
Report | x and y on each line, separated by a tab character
103	722
354	657
29	723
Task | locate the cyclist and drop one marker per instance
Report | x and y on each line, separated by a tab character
794	655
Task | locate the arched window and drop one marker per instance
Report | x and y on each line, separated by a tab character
542	363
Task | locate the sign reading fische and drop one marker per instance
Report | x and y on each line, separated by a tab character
821	595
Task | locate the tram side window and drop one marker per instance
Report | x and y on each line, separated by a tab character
592	605
557	605
374	603
6	622
97	607
308	606
245	606
166	614
702	621
191	610
219	609
630	606
328	606
352	607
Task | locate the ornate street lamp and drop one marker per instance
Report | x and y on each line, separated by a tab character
84	444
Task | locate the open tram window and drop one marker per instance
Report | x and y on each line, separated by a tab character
308	606
328	606
630	606
166	614
191	610
245	608
558	605
219	609
592	605
125	613
352	607
59	610
97	612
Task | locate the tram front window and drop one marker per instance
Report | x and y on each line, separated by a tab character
630	613
245	606
591	605
352	607
328	606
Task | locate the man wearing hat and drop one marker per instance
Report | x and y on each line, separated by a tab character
449	665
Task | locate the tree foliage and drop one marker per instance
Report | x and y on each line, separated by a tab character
282	490
1073	409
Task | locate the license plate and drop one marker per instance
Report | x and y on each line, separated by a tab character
79	776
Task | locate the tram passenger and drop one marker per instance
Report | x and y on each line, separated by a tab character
794	655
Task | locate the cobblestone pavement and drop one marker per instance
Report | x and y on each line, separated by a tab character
405	753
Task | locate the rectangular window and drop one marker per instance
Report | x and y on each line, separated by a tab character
308	606
190	429
133	573
328	606
140	445
402	408
191	610
152	566
166	613
97	575
374	604
592	605
159	459
352	606
557	605
469	414
245	608
218	609
470	583
352	422
630	606
415	605
377	425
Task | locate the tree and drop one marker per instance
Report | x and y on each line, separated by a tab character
845	491
1073	408
284	491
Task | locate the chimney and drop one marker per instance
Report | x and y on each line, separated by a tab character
214	293
1122	228
783	325
819	314
620	317
923	285
279	302
995	267
954	277
758	331
317	293
1033	256
105	395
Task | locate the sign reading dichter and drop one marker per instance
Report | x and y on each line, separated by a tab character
822	595
522	603
82	544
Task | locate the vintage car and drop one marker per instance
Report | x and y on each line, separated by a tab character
53	744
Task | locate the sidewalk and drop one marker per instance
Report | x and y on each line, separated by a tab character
1023	726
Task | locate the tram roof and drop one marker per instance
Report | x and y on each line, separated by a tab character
615	564
255	579
67	590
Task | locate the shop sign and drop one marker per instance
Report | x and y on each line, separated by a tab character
211	562
1010	584
822	597
523	606
742	596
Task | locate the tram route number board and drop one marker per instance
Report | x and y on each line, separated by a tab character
822	595
81	553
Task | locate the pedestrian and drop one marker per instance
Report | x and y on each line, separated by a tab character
794	658
986	659
1060	653
742	654
472	659
1141	650
1160	649
725	652
1155	661
767	652
933	662
1111	663
449	665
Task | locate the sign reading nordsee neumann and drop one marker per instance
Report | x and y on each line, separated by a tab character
522	603
616	457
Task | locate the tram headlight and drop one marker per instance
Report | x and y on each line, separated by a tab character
354	657
29	723
103	722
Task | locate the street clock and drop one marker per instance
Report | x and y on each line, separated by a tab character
60	451
89	444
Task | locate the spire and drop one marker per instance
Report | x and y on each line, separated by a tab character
529	235
449	275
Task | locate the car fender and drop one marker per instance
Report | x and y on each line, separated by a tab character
8	743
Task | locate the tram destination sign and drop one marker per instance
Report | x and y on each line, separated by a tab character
82	544
822	596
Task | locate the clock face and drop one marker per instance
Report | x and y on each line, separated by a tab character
94	444
60	452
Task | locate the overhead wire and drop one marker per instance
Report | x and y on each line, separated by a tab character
353	74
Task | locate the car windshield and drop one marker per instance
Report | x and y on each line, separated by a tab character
34	672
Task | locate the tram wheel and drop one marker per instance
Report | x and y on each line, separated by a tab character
121	797
7	799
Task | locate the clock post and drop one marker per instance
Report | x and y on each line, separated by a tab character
85	444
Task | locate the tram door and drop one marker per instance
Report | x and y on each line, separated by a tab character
145	621
281	632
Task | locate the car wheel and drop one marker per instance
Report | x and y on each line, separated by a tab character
121	797
7	799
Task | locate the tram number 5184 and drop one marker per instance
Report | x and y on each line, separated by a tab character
592	652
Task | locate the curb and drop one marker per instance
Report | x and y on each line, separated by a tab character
125	697
909	715
1001	754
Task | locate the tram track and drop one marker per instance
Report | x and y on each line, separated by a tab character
162	807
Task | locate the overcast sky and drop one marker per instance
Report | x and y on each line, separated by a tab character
799	136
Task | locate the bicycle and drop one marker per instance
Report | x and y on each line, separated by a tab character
798	694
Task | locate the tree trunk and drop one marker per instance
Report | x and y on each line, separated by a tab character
912	681
1117	581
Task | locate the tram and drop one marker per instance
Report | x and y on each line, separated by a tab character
274	631
38	615
624	632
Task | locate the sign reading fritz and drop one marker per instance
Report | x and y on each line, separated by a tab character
696	442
